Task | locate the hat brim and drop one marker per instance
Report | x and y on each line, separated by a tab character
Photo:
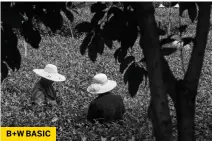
50	76
102	88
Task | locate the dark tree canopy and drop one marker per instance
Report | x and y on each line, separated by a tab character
111	22
118	22
24	18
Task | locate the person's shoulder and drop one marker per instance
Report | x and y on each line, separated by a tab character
115	96
37	87
37	84
107	97
94	103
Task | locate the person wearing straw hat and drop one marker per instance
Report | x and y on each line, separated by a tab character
107	106
43	91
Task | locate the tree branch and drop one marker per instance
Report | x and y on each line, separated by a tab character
195	64
170	80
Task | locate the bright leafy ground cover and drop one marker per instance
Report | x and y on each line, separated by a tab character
70	116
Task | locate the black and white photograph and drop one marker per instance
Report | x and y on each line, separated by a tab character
106	71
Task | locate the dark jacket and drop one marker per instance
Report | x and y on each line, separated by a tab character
106	108
41	94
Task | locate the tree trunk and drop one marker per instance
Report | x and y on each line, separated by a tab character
185	111
159	109
187	88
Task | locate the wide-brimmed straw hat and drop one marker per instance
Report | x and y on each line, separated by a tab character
101	84
50	72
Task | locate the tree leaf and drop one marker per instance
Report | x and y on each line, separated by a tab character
168	51
161	32
69	4
97	17
10	52
68	14
135	79
49	19
86	42
98	7
187	40
127	72
116	53
126	62
192	11
182	28
114	28
146	78
122	55
114	10
173	4
109	32
109	43
101	46
14	61
127	4
143	60
31	35
93	48
84	138
166	41
133	139
103	139
11	17
113	138
54	119
183	6
131	30
83	27
4	71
